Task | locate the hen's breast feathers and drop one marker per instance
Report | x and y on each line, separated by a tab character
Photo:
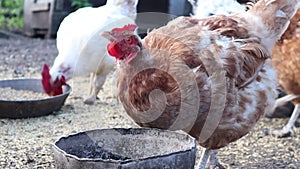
202	46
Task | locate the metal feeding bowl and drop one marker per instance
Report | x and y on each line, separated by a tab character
133	148
33	107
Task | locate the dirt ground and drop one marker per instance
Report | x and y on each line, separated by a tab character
26	143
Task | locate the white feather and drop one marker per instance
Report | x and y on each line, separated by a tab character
205	8
80	46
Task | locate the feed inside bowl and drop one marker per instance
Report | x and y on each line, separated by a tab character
23	108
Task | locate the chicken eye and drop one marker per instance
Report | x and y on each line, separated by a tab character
128	40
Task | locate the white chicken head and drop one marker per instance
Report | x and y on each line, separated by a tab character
52	86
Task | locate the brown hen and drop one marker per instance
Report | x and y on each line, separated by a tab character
286	60
209	77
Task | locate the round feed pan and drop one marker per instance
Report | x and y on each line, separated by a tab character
33	107
132	148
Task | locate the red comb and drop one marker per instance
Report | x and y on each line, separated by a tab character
52	88
129	27
46	77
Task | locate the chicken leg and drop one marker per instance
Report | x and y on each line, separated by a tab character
287	130
284	99
96	84
204	158
213	160
208	159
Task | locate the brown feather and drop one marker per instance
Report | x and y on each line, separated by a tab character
186	66
286	58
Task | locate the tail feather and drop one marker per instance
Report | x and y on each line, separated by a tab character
275	16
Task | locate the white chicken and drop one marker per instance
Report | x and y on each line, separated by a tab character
82	50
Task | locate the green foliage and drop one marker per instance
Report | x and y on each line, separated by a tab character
76	4
15	23
2	20
11	14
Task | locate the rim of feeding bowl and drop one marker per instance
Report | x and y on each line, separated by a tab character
127	160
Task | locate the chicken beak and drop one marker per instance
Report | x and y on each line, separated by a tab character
133	54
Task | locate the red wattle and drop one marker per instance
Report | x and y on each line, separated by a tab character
114	50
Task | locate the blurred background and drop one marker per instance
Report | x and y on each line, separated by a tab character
42	17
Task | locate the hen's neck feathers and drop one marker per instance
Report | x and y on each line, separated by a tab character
141	61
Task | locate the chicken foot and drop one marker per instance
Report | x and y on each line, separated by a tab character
96	83
287	130
213	160
208	159
204	158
